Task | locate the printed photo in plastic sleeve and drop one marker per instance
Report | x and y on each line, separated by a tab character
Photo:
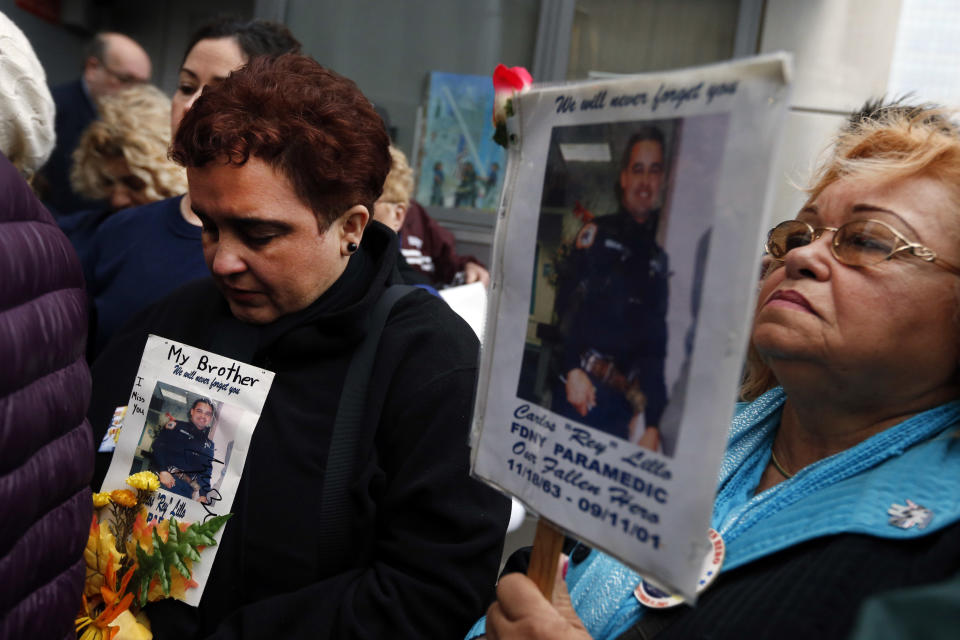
189	420
614	263
626	261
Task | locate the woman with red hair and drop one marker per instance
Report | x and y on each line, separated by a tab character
285	160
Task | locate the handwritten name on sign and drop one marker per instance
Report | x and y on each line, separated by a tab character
665	95
229	375
569	464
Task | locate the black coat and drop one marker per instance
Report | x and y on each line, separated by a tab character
427	538
811	590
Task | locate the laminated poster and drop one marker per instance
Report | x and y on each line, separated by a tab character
180	390
626	261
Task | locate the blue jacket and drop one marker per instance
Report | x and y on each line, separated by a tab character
850	492
135	258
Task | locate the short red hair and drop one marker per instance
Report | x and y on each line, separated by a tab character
310	124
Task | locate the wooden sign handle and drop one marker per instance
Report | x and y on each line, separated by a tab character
547	544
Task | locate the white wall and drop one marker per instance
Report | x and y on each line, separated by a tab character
388	48
843	51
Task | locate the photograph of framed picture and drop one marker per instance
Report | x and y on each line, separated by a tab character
459	164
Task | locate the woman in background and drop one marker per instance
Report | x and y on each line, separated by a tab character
142	254
122	158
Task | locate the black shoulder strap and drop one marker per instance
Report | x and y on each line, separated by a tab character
335	509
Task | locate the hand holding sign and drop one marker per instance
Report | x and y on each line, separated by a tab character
523	612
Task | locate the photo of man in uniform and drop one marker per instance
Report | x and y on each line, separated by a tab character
611	305
183	453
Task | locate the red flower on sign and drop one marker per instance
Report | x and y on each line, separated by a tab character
507	82
511	79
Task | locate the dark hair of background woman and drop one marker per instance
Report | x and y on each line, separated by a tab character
255	37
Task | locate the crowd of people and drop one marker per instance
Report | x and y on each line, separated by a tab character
292	288
263	214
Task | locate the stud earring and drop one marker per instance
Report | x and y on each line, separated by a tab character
351	247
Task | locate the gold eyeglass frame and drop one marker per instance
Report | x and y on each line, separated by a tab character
923	252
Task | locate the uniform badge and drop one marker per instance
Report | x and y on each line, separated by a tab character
586	236
652	595
609	243
909	515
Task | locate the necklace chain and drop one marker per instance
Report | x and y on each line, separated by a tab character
779	467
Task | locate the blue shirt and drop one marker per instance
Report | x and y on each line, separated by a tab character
138	256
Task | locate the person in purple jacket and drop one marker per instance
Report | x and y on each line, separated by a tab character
46	445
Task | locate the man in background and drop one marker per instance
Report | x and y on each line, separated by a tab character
112	61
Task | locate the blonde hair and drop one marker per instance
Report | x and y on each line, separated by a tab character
134	124
891	142
398	187
884	142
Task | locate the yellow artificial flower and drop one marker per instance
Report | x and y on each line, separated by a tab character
124	497
145	481
101	499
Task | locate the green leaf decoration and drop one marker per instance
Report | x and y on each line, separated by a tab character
179	546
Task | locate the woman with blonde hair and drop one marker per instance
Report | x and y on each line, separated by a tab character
122	160
391	207
841	476
122	156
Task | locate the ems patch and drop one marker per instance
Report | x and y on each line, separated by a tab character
586	236
909	515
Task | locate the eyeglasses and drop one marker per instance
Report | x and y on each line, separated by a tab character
859	243
125	79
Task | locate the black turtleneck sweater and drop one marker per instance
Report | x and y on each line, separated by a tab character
427	537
